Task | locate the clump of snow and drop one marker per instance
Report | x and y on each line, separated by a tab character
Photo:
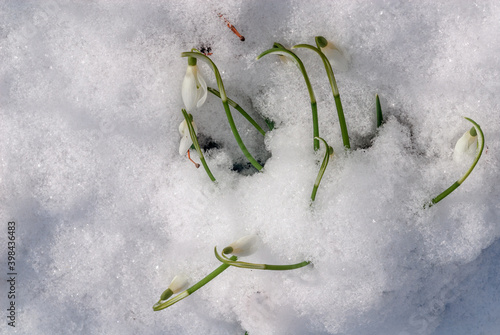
108	213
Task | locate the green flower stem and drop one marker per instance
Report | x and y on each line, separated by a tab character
444	194
224	99
239	109
280	50
245	265
324	164
189	118
164	304
380	118
343	125
243	148
461	180
335	91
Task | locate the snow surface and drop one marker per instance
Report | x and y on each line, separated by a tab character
108	213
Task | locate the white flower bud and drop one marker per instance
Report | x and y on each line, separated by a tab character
179	283
336	56
284	59
466	145
194	88
244	246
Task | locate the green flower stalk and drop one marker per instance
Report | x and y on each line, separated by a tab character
162	304
324	164
321	43
241	110
472	133
245	265
189	121
225	103
280	50
243	246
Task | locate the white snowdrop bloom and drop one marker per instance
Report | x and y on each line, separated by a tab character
186	140
284	59
194	88
179	283
336	56
244	246
466	145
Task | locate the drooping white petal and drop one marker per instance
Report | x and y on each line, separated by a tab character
202	90
466	146
336	57
189	90
179	283
244	246
186	140
185	144
194	88
183	128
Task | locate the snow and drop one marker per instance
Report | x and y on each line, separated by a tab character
107	212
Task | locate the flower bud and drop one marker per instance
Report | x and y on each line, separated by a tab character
466	145
178	284
244	246
194	87
334	54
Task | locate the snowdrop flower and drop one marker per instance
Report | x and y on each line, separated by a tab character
178	284
284	59
466	145
244	246
194	87
186	140
336	56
